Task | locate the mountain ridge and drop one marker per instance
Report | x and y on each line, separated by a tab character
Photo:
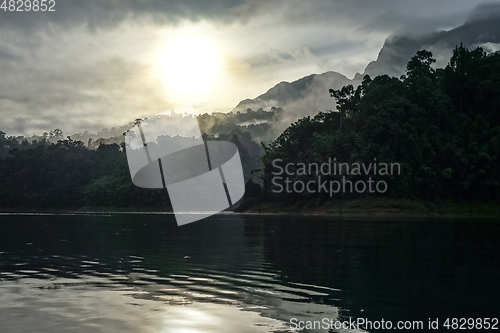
481	28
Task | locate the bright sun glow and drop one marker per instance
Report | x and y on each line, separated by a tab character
189	66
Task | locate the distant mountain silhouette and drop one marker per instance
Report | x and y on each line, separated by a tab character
482	28
305	96
309	94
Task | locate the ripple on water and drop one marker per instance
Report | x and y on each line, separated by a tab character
58	293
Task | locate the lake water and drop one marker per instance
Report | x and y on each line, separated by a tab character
240	273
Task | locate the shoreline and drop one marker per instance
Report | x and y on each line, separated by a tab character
379	207
365	208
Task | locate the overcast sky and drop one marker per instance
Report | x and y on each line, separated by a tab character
92	64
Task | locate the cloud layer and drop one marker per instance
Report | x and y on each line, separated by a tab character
90	64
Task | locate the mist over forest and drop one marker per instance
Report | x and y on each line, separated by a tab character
441	125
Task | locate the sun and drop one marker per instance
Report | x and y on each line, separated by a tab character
189	66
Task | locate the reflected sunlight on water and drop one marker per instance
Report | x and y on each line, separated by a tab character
70	305
142	273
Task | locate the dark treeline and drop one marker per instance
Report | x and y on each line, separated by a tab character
67	174
442	126
50	171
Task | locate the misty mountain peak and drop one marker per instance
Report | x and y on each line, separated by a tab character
302	97
482	28
309	94
484	12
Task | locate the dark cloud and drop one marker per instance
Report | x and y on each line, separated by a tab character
366	14
96	14
380	14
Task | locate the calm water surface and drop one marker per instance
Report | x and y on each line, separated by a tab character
232	273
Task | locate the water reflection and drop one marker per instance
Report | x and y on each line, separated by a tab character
67	305
230	273
142	274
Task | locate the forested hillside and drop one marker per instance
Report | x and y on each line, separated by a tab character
66	174
441	125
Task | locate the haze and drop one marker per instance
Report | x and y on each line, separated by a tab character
95	64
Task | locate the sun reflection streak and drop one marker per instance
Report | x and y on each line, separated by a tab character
189	320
